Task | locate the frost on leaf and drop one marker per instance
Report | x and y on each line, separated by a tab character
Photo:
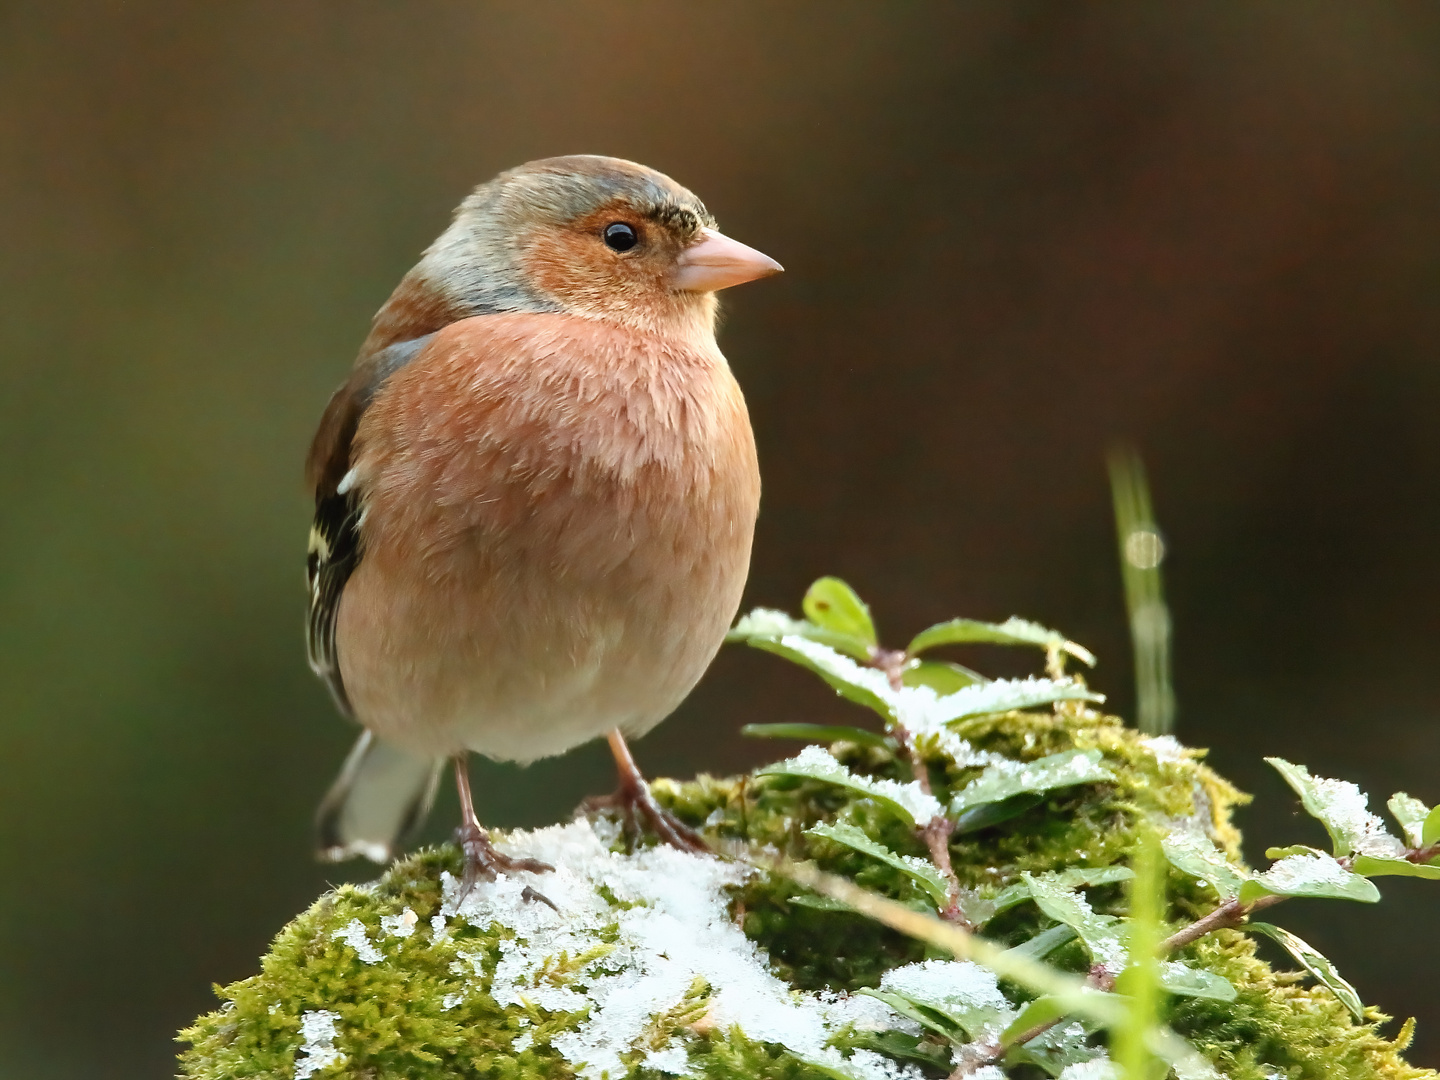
919	870
317	1051
1007	779
1194	853
964	994
815	763
1310	874
1313	961
920	709
1343	809
1100	934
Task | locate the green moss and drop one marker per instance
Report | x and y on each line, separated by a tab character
411	1015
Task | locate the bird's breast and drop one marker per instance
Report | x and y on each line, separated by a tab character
557	521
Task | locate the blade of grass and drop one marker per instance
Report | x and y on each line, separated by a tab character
1141	552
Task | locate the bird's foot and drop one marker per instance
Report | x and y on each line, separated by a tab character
483	860
635	801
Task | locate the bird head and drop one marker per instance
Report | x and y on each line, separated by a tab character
592	236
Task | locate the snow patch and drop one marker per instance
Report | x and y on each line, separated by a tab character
625	967
1166	748
401	926
317	1051
353	934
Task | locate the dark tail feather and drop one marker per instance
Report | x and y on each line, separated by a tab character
380	799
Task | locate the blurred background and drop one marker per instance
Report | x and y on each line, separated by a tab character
1013	234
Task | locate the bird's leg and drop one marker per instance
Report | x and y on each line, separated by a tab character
482	859
634	798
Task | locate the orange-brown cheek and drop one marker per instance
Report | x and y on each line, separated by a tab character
588	281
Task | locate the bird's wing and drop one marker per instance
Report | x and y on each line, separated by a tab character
335	548
380	799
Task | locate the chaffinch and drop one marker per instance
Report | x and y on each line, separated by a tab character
534	496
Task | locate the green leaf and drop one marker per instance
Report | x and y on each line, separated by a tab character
982	817
1042	1010
1193	853
1099	933
1064	1044
1011	632
1045	942
906	801
940	675
820	903
1314	962
918	870
817	733
926	1015
862	685
1079	877
1340	806
1005	695
1185	981
833	605
1430	831
1411	813
767	624
1309	875
1380	866
1292	849
1187	1062
1011	778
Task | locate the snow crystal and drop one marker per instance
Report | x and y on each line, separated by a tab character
1166	748
674	1059
962	753
1100	1068
1347	809
318	1051
947	983
449	1001
627	966
922	711
523	1041
354	935
911	797
401	926
1310	868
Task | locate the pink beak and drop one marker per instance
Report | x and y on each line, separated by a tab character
716	262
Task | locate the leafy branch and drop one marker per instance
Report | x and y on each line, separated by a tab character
926	706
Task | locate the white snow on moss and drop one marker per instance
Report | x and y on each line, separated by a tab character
317	1051
626	964
353	934
674	1059
401	926
1166	748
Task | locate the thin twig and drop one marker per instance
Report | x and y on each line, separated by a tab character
937	831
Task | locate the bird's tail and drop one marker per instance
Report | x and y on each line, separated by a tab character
380	799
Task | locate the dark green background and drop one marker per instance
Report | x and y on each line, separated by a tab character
1012	232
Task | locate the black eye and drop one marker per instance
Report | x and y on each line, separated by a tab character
620	237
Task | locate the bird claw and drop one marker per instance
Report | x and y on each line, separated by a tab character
634	801
483	861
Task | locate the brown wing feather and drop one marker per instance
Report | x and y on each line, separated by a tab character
335	529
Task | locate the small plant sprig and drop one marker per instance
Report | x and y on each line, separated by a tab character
927	705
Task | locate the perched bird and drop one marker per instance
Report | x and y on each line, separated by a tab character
534	496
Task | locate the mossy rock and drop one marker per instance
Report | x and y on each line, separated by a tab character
660	963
